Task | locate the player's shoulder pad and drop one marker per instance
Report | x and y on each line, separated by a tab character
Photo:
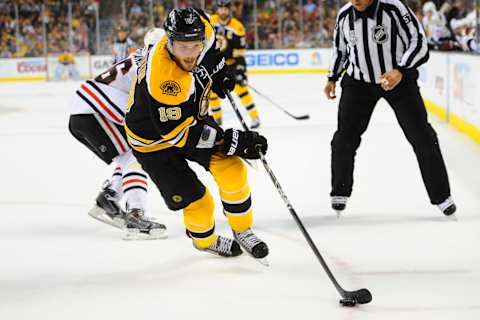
237	27
209	36
214	18
167	83
203	14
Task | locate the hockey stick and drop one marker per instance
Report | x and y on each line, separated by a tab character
349	298
302	117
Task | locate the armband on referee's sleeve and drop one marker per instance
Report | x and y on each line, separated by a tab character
333	78
401	69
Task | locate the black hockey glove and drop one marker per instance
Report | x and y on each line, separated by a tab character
244	144
241	71
223	79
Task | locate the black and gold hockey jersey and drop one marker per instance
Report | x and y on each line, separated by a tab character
231	40
66	58
166	102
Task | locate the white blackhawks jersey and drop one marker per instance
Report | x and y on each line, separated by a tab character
108	93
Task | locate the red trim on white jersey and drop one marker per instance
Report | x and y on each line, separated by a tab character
101	104
113	133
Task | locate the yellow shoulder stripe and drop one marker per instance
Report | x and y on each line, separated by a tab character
208	28
238	27
214	18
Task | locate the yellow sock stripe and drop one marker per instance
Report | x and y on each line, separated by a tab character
253	113
230	174
239	90
200	222
198	215
240	222
247	100
217	115
234	196
205	242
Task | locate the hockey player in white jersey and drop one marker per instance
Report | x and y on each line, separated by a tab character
96	120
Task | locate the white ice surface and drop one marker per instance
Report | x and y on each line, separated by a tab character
58	263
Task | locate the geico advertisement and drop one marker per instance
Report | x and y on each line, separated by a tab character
100	64
286	59
256	59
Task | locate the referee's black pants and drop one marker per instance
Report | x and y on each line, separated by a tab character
357	102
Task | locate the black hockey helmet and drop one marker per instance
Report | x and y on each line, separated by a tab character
224	3
184	25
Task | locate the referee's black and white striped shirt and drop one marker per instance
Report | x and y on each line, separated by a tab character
121	49
386	36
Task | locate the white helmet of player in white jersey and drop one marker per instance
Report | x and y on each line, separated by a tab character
153	35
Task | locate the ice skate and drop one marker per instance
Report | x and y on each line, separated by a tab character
339	204
448	208
253	245
138	227
223	246
255	123
107	208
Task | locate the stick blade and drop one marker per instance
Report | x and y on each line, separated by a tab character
351	298
361	296
302	117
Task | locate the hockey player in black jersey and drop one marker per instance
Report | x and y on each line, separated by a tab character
231	43
167	123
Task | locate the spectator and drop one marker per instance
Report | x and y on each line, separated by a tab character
310	7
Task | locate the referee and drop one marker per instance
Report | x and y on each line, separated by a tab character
380	43
123	45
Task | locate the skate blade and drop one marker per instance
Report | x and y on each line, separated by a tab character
99	214
338	212
451	217
136	234
262	261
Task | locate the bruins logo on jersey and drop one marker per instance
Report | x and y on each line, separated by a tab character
222	43
170	88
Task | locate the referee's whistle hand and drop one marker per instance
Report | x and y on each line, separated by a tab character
391	79
330	90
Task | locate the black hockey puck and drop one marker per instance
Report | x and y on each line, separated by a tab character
347	302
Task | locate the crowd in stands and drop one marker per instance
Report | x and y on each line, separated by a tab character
451	25
71	25
286	24
22	31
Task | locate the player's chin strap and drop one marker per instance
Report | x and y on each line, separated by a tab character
350	298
